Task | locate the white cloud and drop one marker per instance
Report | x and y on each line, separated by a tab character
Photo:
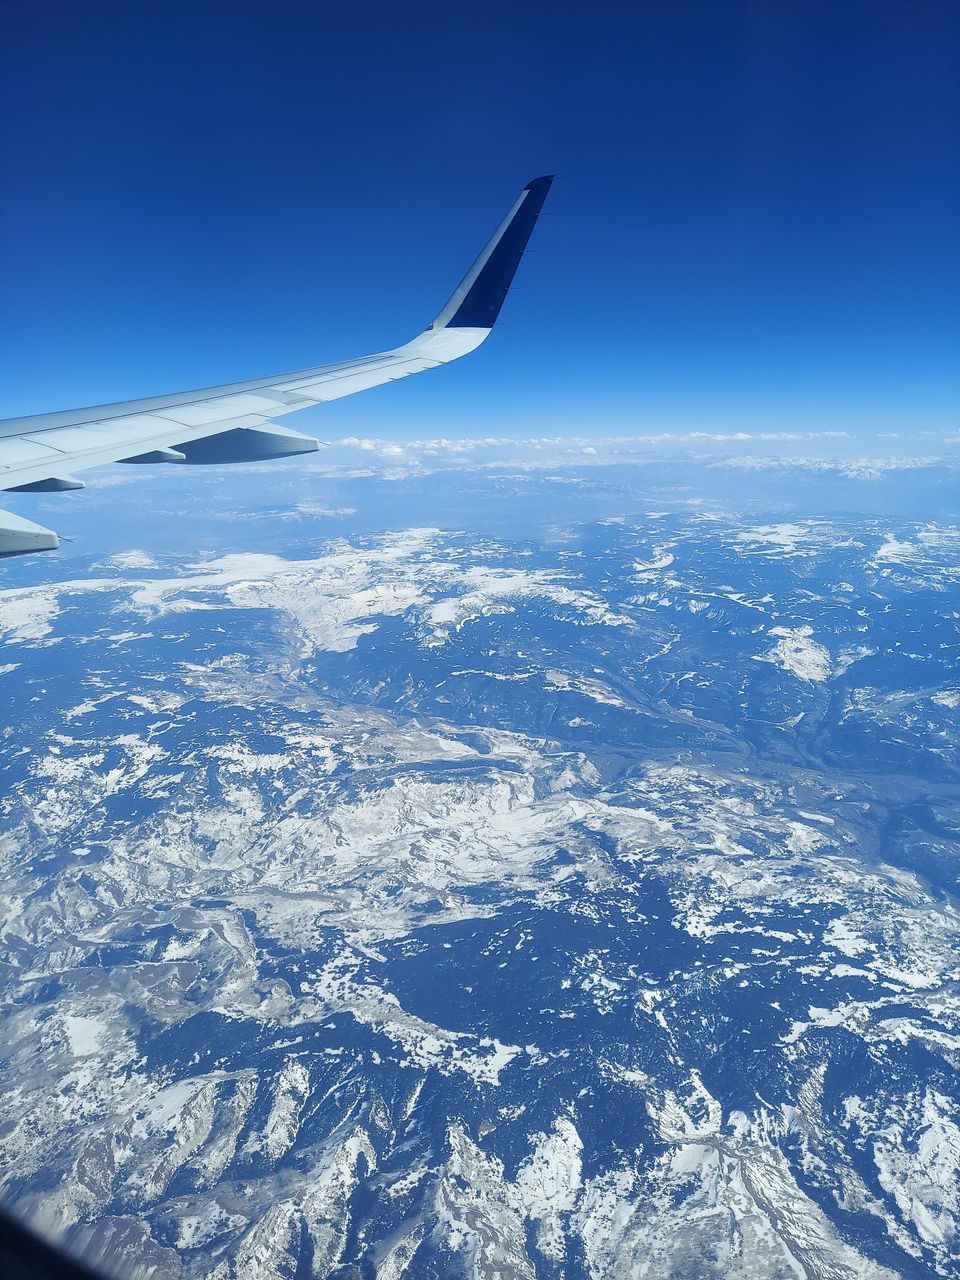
857	468
756	450
28	615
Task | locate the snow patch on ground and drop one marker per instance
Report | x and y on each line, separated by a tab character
85	1035
796	652
28	615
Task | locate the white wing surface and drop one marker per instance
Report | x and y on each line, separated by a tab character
237	422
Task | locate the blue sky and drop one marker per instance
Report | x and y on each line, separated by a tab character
755	226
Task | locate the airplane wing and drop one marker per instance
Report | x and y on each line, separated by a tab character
236	423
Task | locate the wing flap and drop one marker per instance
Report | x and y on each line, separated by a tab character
23	453
77	440
205	413
347	384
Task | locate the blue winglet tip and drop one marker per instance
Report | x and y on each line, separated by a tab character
481	305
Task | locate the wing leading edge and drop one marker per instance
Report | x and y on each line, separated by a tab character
235	423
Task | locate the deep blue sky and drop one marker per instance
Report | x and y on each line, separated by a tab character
755	222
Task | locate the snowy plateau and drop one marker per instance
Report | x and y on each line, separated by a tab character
431	905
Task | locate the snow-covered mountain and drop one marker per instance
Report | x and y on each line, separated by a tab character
424	905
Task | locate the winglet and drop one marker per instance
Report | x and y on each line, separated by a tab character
477	301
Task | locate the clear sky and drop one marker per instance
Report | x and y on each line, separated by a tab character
755	225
